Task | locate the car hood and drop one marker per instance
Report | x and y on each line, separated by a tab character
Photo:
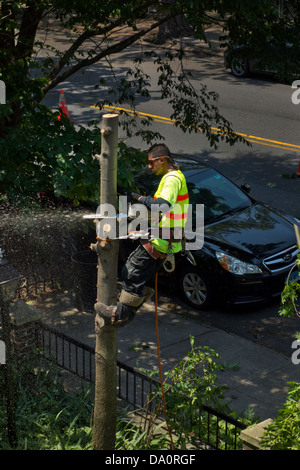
254	233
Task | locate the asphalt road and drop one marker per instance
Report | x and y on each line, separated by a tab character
258	107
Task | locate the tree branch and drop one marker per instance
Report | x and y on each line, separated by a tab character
120	46
88	34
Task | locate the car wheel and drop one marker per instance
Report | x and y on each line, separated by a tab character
195	288
239	67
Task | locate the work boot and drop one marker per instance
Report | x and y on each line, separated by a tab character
122	313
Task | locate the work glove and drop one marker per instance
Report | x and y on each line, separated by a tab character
135	196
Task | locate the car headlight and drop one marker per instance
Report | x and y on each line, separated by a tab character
236	266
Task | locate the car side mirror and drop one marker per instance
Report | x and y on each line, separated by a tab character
246	187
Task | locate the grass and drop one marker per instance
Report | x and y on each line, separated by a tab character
47	417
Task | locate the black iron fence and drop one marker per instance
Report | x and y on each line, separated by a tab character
35	286
133	386
66	352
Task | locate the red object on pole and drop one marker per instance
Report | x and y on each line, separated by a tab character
63	109
298	172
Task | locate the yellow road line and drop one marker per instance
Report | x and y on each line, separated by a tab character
281	146
274	142
250	138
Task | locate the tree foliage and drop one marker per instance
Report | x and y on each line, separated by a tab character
284	432
290	296
38	151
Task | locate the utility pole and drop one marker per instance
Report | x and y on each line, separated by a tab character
105	411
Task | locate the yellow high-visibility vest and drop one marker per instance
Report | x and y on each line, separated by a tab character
173	189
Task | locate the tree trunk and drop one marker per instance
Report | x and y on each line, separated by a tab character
105	412
173	28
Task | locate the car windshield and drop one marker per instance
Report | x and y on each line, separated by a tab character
218	194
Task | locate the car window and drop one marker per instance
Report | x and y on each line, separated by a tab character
218	194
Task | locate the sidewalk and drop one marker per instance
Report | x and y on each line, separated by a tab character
257	379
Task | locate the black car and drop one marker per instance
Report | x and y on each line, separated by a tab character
236	58
249	247
242	62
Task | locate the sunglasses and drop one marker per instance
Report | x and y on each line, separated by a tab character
150	162
156	158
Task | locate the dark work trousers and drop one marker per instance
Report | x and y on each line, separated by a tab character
140	267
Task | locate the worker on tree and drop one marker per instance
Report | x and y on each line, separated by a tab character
171	202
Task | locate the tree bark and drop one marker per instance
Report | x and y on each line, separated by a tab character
174	27
105	412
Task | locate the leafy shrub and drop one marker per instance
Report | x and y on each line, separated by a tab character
187	387
284	432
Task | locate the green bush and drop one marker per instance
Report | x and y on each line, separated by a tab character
284	432
187	387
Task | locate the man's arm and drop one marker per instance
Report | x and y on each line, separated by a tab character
149	201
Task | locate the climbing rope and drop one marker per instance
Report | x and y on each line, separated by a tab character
159	364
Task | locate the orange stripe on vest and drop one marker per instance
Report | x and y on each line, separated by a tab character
183	197
171	215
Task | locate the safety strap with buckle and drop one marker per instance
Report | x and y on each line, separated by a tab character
152	250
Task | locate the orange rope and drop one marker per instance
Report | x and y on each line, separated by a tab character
159	364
